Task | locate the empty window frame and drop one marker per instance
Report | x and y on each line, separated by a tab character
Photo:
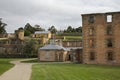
91	31
92	55
109	18
110	56
68	43
109	30
91	19
91	43
109	43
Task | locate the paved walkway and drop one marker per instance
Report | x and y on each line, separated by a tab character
21	71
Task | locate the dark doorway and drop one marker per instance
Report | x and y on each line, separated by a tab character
78	55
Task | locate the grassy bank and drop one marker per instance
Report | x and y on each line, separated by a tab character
5	65
55	71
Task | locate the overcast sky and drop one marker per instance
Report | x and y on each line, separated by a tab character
60	13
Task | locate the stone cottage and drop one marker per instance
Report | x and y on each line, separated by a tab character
52	52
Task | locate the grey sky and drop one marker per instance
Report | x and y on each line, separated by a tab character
60	13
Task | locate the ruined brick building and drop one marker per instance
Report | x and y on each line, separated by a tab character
11	43
101	38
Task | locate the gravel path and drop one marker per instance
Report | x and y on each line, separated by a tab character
21	71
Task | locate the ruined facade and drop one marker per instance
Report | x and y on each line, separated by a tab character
12	43
73	47
42	36
101	38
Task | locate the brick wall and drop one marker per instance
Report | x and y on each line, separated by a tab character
99	25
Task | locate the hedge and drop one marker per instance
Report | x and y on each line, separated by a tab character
17	56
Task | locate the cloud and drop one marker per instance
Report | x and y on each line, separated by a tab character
60	13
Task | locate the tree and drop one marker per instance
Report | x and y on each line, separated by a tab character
30	47
27	32
73	30
52	29
28	29
21	28
69	29
38	28
2	27
79	29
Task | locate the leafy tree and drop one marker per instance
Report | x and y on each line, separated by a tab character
79	29
29	29
52	29
2	27
69	29
38	28
30	47
73	30
27	32
21	28
64	31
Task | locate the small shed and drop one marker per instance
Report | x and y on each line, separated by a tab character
52	52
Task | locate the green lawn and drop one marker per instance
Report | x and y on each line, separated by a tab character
55	71
5	65
69	38
73	37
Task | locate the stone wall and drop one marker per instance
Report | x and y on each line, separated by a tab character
11	49
52	55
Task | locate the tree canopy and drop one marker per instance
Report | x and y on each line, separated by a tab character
2	27
38	28
28	29
70	29
30	47
52	29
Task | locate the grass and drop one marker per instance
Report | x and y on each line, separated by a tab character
73	37
55	71
5	65
67	38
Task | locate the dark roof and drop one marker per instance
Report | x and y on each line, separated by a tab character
52	47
